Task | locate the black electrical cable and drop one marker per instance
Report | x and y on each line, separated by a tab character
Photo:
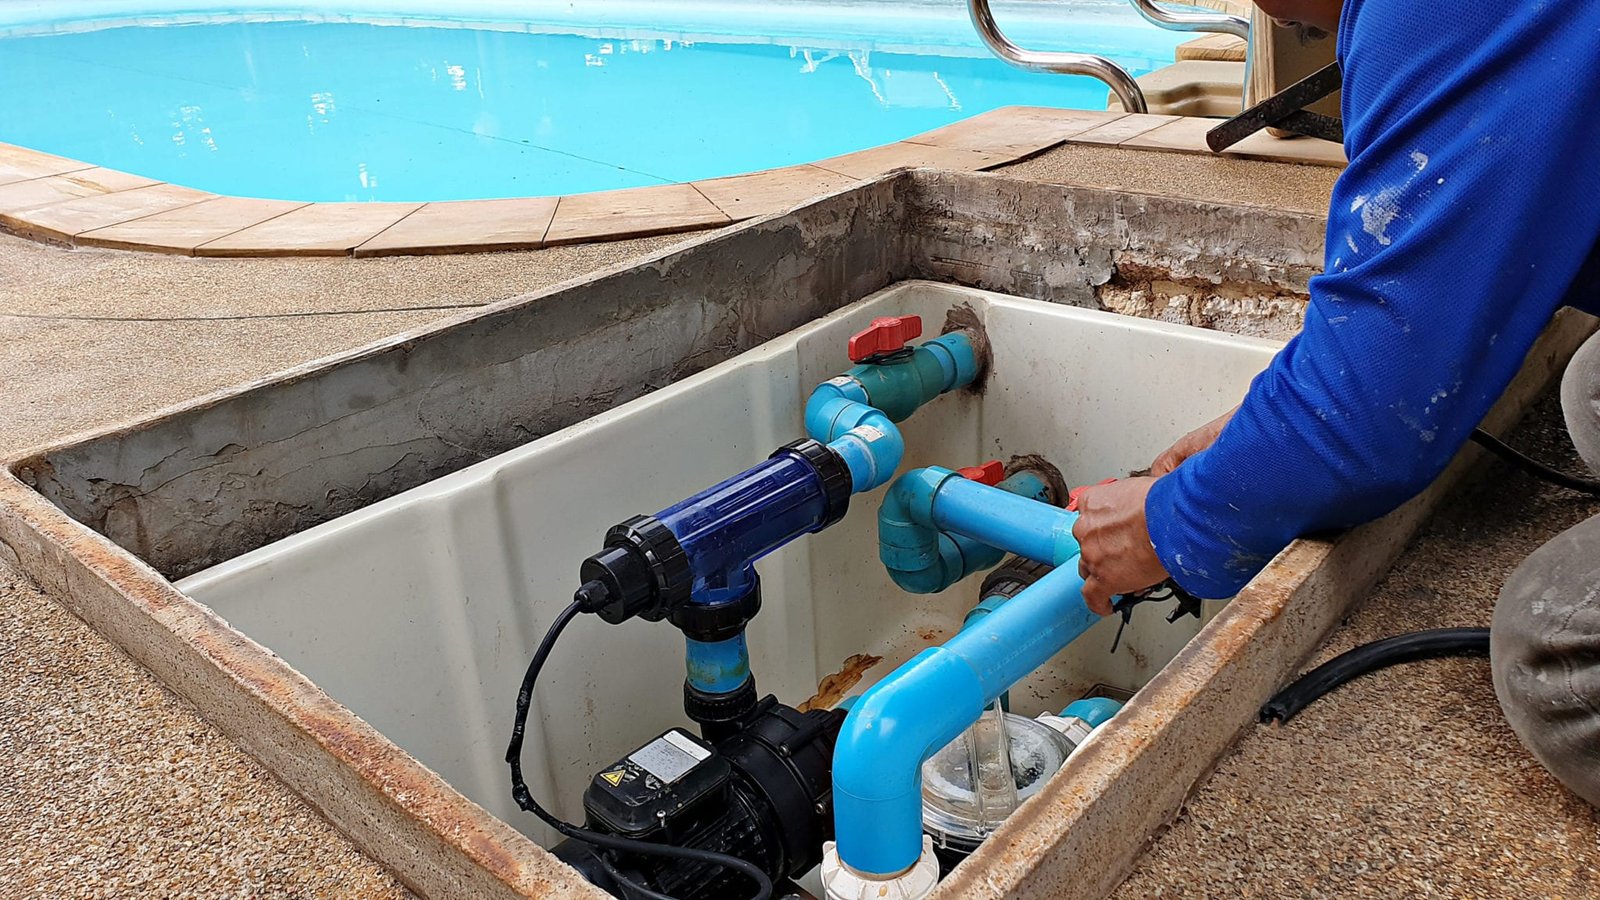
1435	644
633	888
1511	455
519	788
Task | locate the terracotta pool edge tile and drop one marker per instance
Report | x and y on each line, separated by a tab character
628	234
984	160
447	244
1115	134
19	224
67	167
1072	122
805	189
282	252
87	238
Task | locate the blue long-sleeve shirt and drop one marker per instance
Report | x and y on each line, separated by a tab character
1469	213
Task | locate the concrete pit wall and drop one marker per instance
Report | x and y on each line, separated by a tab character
217	478
103	523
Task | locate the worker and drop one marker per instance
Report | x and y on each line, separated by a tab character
1468	215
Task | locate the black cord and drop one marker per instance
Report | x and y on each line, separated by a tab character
1435	644
629	886
1527	463
520	793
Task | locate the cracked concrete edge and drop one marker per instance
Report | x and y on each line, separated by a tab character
1071	840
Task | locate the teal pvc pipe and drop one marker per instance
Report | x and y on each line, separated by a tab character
855	413
923	705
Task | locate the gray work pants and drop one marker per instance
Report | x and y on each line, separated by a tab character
1544	645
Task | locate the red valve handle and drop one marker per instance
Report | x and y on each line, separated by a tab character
1075	493
884	335
989	473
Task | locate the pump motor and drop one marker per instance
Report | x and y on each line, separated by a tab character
763	794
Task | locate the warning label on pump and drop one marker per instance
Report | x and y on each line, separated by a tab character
670	756
615	776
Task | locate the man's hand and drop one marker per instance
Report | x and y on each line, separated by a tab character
1190	444
1117	557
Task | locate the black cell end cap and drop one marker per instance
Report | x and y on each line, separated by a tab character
617	584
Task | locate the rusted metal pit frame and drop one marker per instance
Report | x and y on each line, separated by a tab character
103	522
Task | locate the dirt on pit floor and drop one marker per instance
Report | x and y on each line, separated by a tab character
1407	782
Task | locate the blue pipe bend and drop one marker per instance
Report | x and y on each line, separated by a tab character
936	528
858	421
923	705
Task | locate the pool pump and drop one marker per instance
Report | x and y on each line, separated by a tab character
762	794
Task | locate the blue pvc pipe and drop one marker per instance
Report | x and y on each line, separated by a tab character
718	667
923	705
936	528
1001	519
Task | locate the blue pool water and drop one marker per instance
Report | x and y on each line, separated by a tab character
496	99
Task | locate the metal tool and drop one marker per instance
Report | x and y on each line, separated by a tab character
1286	110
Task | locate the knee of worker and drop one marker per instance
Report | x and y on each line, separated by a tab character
1580	401
1544	649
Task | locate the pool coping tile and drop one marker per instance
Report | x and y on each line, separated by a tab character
62	222
181	230
459	226
1188	135
774	190
36	192
1019	130
66	201
632	213
908	155
1124	129
316	229
22	164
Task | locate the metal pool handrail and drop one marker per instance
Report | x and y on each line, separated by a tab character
1175	20
1114	76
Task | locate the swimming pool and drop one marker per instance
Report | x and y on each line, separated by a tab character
408	101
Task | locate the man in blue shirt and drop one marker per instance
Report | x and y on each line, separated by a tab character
1469	213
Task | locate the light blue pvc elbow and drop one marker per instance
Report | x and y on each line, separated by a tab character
919	557
855	413
923	705
1094	710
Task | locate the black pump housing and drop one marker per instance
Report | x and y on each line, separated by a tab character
763	794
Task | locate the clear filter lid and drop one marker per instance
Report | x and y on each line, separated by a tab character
971	785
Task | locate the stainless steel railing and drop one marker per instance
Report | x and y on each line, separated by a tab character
1175	20
1114	76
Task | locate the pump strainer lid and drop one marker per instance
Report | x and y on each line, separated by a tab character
954	813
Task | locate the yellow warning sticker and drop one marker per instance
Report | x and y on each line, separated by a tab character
614	776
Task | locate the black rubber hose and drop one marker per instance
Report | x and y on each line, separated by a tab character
1528	464
520	793
1435	644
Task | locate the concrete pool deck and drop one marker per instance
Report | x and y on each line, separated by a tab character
64	201
97	337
